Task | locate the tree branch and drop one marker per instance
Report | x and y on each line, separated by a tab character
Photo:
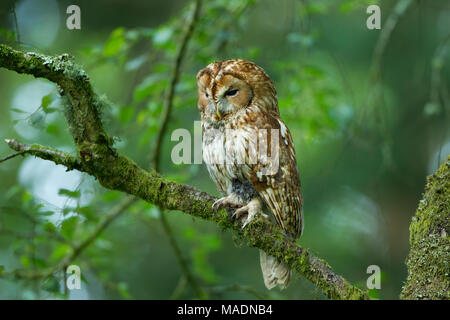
385	34
58	157
83	107
181	261
429	258
96	157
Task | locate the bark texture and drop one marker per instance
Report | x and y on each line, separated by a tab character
429	258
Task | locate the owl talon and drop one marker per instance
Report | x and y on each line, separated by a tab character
237	214
252	209
230	201
250	217
217	204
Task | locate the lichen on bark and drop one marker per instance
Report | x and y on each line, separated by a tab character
429	258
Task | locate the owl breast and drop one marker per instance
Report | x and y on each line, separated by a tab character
225	152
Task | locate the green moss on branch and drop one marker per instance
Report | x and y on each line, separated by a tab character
83	109
429	258
46	153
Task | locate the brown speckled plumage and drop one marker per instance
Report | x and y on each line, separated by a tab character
239	109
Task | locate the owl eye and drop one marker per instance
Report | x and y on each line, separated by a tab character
206	94
231	93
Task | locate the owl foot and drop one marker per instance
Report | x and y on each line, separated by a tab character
232	201
252	209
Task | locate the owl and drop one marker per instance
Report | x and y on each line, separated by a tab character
249	153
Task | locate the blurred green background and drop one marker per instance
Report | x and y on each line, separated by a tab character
367	128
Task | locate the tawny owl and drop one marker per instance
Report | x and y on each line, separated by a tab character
249	151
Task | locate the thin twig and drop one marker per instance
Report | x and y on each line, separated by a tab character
47	153
167	110
238	287
168	102
12	156
113	214
437	63
16	23
182	262
79	248
375	67
179	288
224	27
374	76
15	234
385	35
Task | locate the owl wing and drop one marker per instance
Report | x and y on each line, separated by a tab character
277	184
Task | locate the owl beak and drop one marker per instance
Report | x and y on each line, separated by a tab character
218	112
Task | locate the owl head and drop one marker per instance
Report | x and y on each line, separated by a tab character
229	86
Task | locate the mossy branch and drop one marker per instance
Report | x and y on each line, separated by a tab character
58	157
429	258
97	157
83	110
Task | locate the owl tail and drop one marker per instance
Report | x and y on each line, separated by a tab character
274	272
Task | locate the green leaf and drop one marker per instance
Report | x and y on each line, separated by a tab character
123	290
189	233
46	213
8	35
374	294
69	193
26	197
142	116
50	227
25	261
68	227
51	284
116	43
149	86
110	196
45	103
60	251
17	110
125	114
87	212
40	263
52	129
